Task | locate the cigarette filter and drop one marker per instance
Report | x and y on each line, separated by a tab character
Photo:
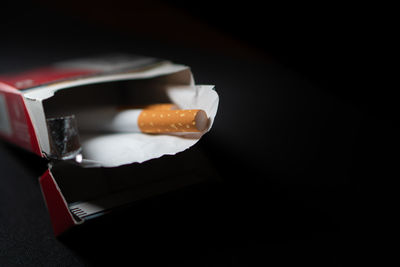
170	121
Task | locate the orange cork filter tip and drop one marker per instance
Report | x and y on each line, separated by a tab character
172	121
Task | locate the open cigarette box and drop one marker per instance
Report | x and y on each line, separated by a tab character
93	171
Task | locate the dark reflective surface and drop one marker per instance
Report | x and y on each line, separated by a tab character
301	164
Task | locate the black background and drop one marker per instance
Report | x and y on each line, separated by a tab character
305	185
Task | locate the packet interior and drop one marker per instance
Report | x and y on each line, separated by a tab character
113	169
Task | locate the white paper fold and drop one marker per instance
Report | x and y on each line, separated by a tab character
115	149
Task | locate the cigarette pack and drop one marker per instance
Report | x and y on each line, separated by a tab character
91	172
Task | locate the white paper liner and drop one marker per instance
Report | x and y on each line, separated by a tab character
116	149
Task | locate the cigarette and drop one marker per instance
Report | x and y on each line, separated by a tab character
152	119
172	121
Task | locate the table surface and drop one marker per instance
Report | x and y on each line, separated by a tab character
291	184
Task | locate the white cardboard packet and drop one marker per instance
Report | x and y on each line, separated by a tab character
113	169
